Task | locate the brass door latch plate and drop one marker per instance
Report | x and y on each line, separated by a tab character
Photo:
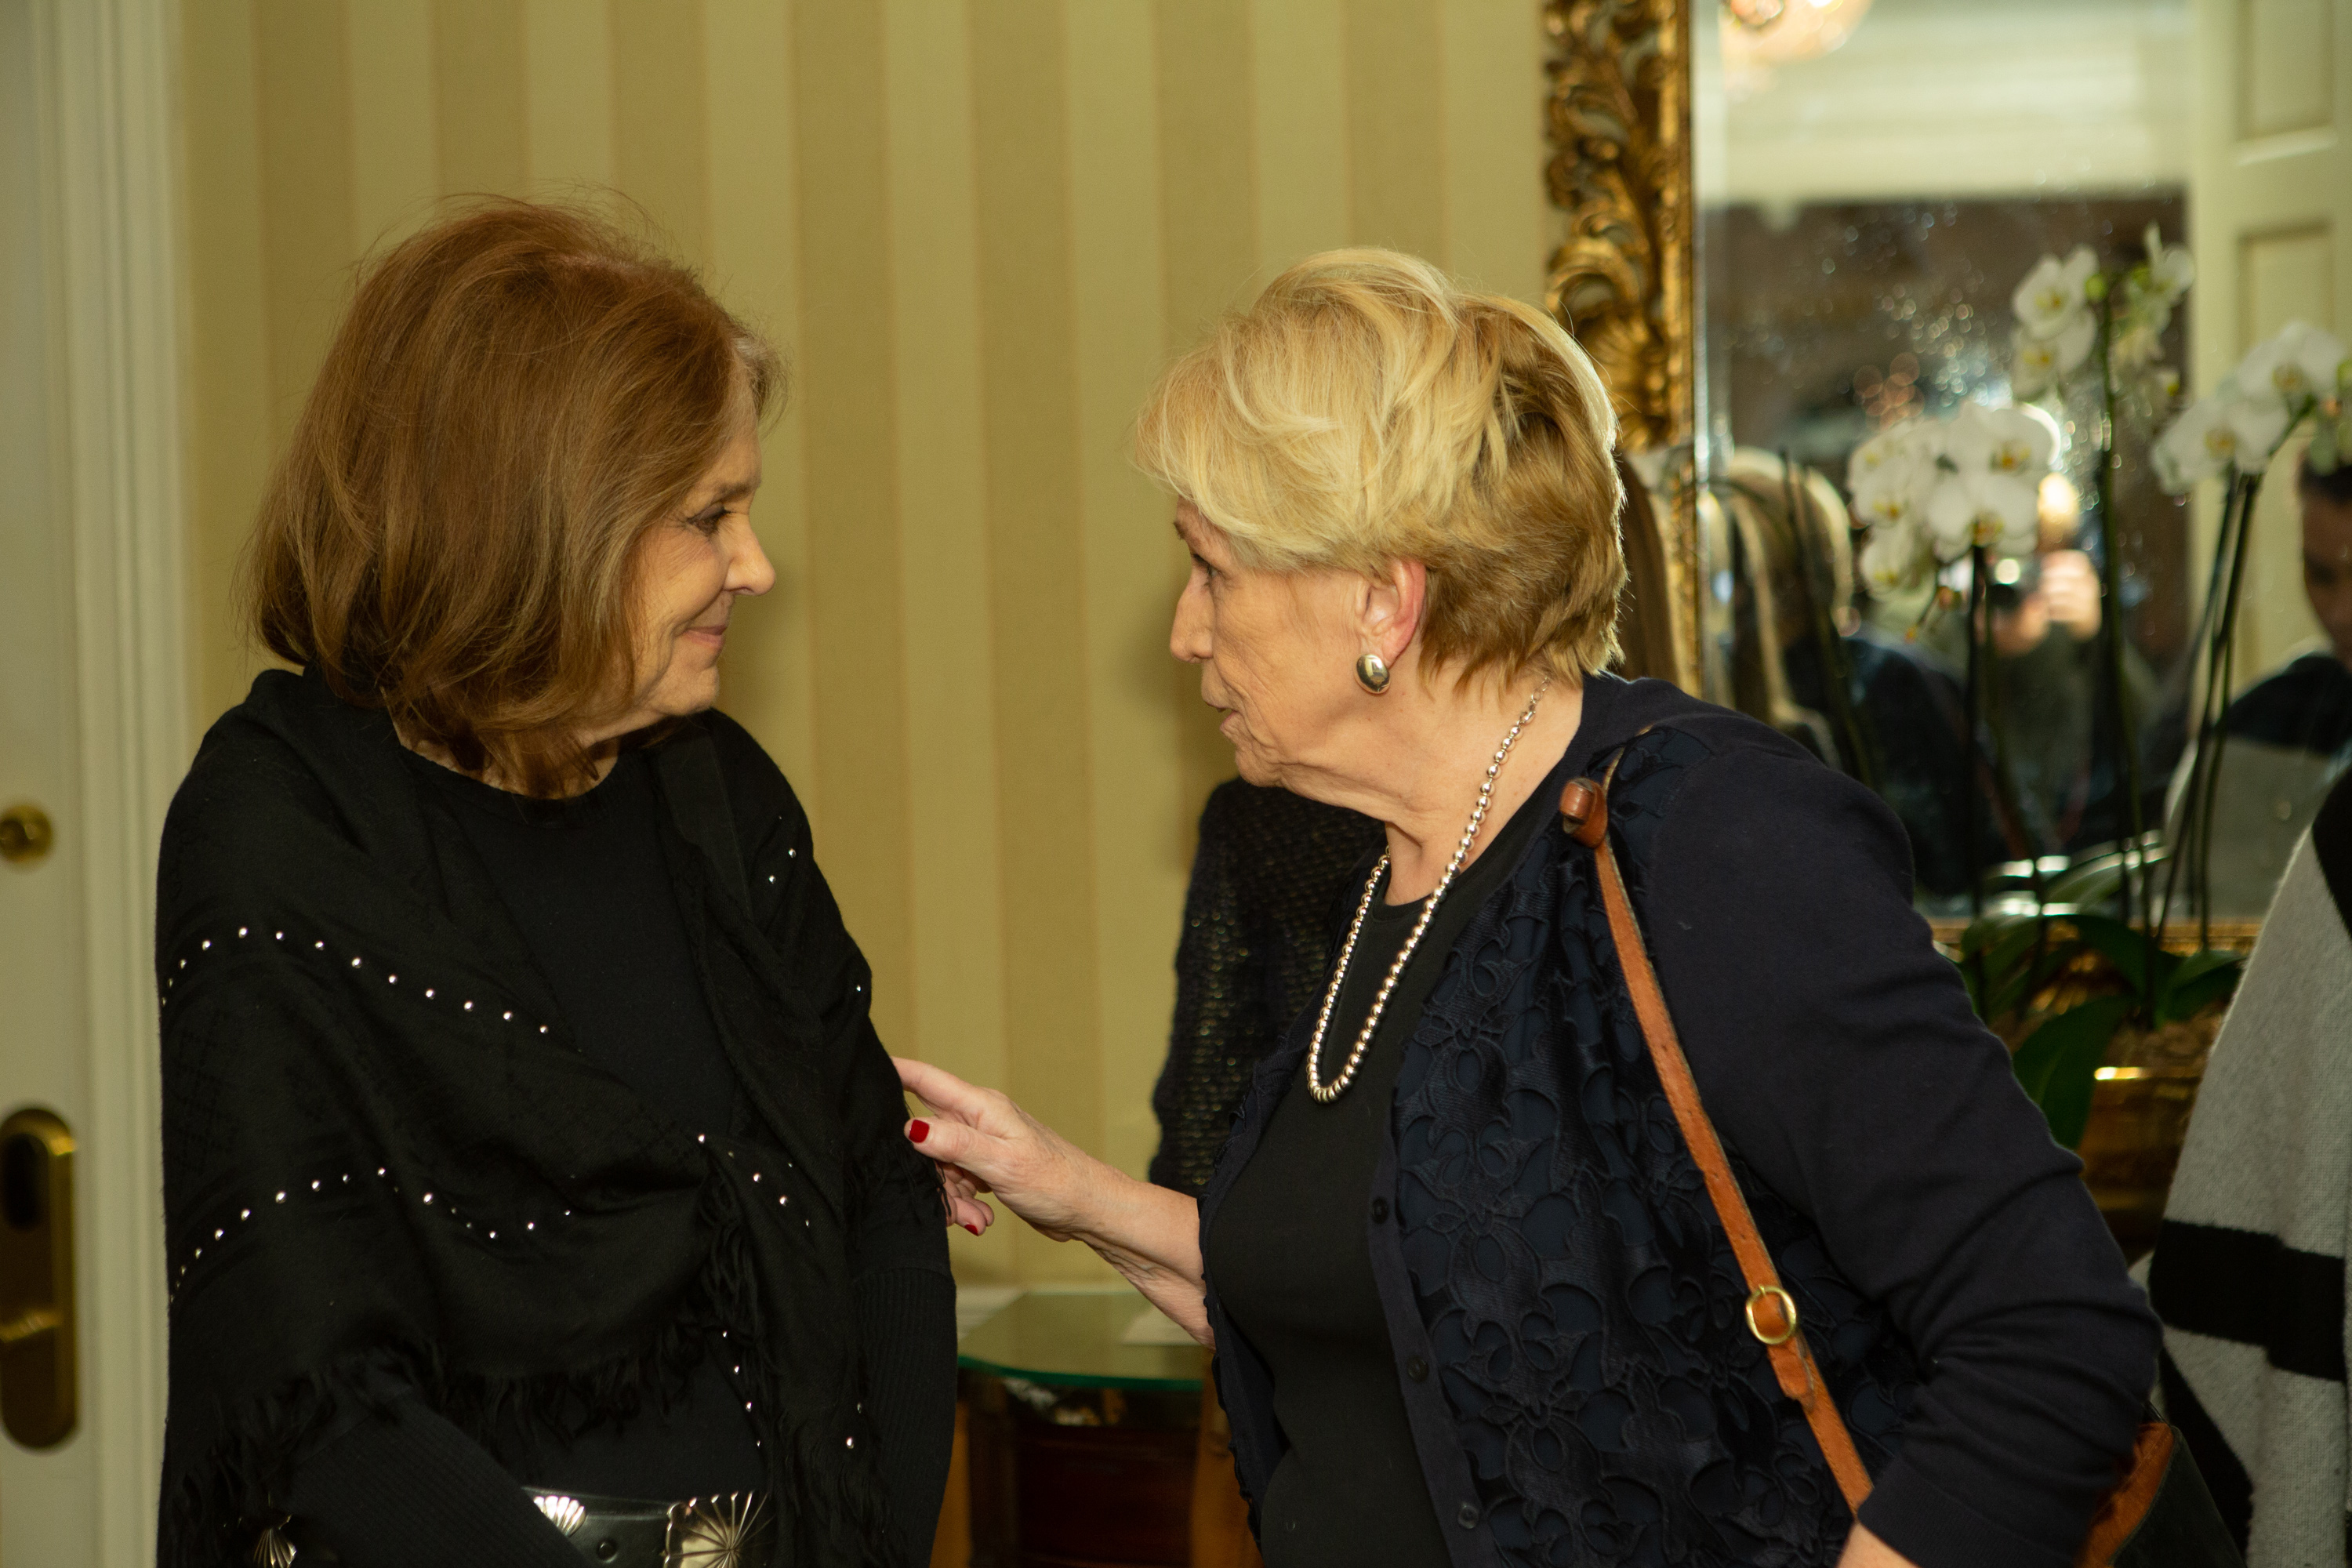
38	1383
27	835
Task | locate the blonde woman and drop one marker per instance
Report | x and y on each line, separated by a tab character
1469	1300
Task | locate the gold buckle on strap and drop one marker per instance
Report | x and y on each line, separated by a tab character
1788	1306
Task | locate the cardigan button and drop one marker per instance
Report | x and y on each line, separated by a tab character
1467	1516
1416	1369
1380	1211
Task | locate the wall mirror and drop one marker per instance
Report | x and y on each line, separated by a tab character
1874	184
1873	282
1972	352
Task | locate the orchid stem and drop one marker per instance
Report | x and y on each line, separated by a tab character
2111	620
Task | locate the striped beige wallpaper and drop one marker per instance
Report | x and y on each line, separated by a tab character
979	226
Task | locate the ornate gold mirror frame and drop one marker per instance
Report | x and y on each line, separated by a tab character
1622	281
1618	119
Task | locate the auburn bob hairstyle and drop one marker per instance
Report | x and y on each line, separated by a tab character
1367	410
518	395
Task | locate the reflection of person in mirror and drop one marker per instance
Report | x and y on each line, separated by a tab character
2290	733
2045	612
1872	705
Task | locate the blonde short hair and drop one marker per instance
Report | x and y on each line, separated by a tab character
1365	411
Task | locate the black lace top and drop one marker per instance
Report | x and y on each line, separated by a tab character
1268	881
1563	1310
1296	1273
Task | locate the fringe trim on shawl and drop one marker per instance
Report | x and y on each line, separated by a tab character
832	1504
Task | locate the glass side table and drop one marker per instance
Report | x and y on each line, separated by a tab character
1082	1447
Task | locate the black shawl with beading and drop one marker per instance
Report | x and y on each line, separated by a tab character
383	1153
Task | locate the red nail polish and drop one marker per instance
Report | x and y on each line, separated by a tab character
919	1130
973	1228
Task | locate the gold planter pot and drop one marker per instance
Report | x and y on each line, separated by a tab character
2139	1117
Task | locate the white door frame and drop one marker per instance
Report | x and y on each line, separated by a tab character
110	78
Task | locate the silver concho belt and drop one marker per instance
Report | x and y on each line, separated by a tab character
732	1529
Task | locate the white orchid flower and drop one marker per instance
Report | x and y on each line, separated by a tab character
2021	534
2042	363
2034	370
2053	294
2228	430
1894	496
1893	560
1889	449
1998	511
2197	446
2005	441
2170	269
2257	425
2074	338
2302	361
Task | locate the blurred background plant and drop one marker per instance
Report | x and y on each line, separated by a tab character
2096	1005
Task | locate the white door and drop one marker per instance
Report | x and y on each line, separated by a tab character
92	716
45	1496
2271	228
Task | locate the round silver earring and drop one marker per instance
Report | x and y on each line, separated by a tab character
1373	673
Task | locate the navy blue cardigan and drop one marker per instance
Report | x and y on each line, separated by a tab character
1564	1306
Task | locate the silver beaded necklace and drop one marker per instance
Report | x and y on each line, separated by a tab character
1325	1093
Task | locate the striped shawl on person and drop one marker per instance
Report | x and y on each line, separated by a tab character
2248	1273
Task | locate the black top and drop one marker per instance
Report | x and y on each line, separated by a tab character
1911	720
584	880
1552	1257
417	1209
2307	706
1294	1270
586	885
1273	873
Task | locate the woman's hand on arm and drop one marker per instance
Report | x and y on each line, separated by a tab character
983	1143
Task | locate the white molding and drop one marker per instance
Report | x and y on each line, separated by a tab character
113	135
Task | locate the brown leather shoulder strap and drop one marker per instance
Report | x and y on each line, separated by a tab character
1771	1312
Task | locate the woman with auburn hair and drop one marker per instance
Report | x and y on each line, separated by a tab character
534	1176
1471	1280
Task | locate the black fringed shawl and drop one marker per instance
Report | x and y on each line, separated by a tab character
383	1153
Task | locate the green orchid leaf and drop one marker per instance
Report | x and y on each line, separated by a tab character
2205	961
1991	949
2007	958
2012	952
2093	883
2017	988
2202	980
1987	930
2059	1062
2126	947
